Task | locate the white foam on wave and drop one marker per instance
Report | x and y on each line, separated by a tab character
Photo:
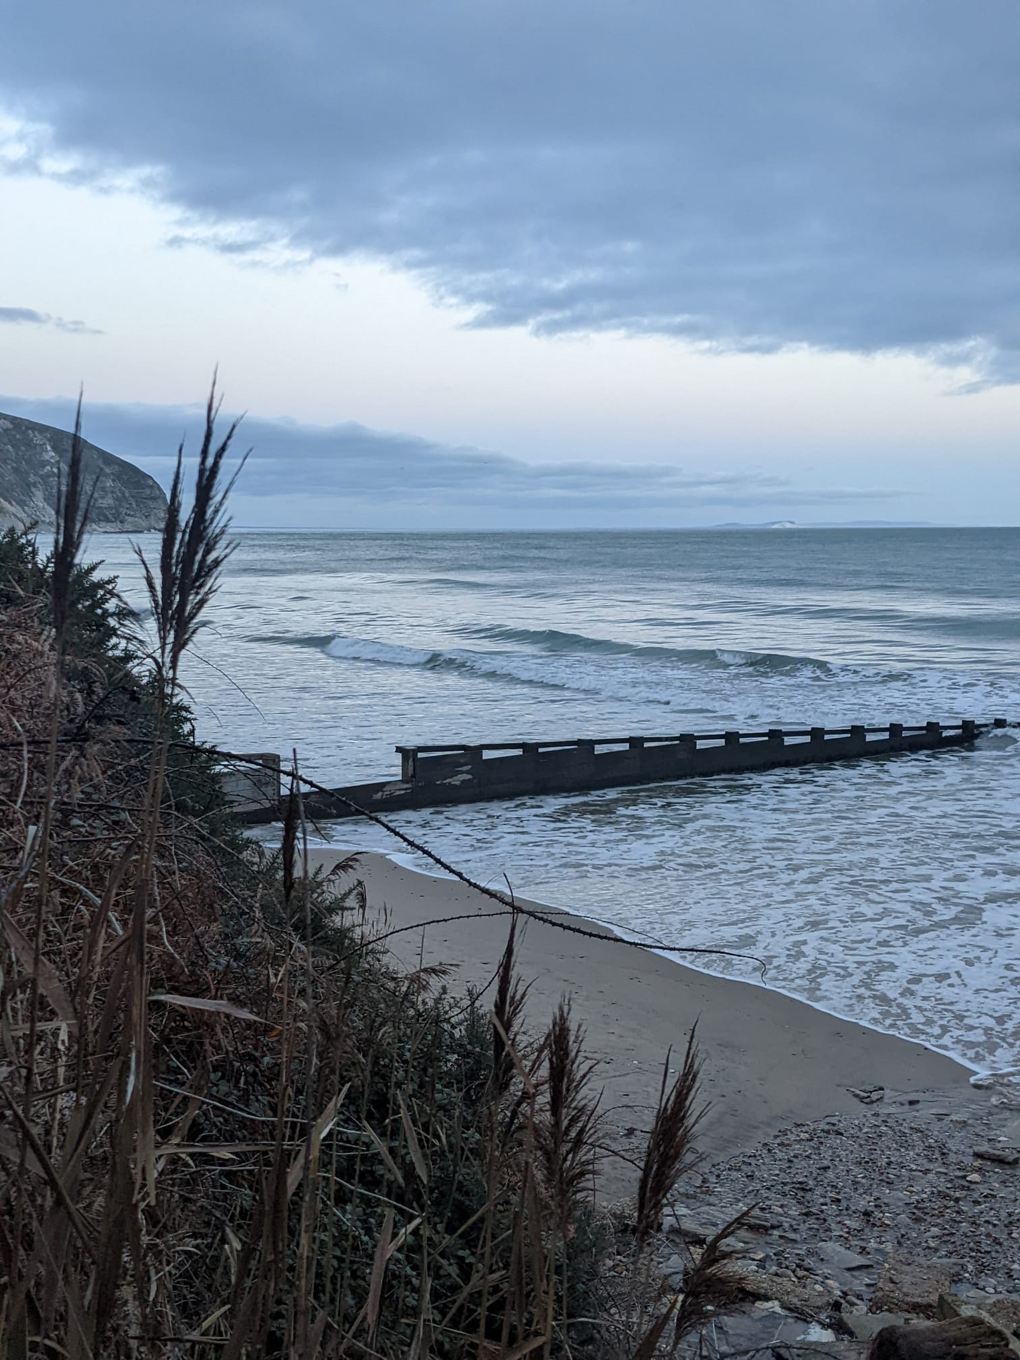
387	653
510	667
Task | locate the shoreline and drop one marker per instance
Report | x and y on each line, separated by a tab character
771	1060
550	909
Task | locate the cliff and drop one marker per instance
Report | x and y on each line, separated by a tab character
127	500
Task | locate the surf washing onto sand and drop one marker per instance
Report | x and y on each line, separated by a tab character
887	891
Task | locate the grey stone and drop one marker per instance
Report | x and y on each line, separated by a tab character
865	1325
1005	1310
867	1095
835	1255
806	1300
911	1284
695	1229
816	1332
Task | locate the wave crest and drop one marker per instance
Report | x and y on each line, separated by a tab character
552	641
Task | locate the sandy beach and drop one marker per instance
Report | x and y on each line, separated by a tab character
770	1061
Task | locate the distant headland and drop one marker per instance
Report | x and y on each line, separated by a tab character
127	500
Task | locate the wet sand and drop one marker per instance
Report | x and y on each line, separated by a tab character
770	1061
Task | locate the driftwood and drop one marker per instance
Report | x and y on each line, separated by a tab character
958	1338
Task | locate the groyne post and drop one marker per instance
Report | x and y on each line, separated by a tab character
253	785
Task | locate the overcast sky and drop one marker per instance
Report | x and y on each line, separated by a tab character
482	262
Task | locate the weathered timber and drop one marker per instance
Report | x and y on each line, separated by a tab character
959	1338
437	776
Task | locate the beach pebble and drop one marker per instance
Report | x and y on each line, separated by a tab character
887	1180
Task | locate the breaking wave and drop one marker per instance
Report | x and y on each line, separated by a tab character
553	660
490	665
551	640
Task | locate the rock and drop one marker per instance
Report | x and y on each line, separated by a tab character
867	1095
1005	1156
840	1258
974	1177
816	1332
699	1228
910	1284
866	1325
804	1300
752	1333
1005	1310
695	1229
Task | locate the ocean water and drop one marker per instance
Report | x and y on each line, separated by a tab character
884	891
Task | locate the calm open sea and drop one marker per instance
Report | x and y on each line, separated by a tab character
885	891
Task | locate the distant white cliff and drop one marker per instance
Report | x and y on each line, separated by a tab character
127	500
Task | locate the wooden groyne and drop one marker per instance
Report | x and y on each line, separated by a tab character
438	776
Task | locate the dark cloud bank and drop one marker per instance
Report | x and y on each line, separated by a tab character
744	175
348	476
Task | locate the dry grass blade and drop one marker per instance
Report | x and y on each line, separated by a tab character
649	1343
319	1131
670	1151
382	1255
413	1145
206	1003
386	1155
39	966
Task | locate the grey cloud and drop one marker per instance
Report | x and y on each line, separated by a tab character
19	315
29	316
348	464
744	176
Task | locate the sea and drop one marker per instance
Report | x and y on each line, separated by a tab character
885	891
